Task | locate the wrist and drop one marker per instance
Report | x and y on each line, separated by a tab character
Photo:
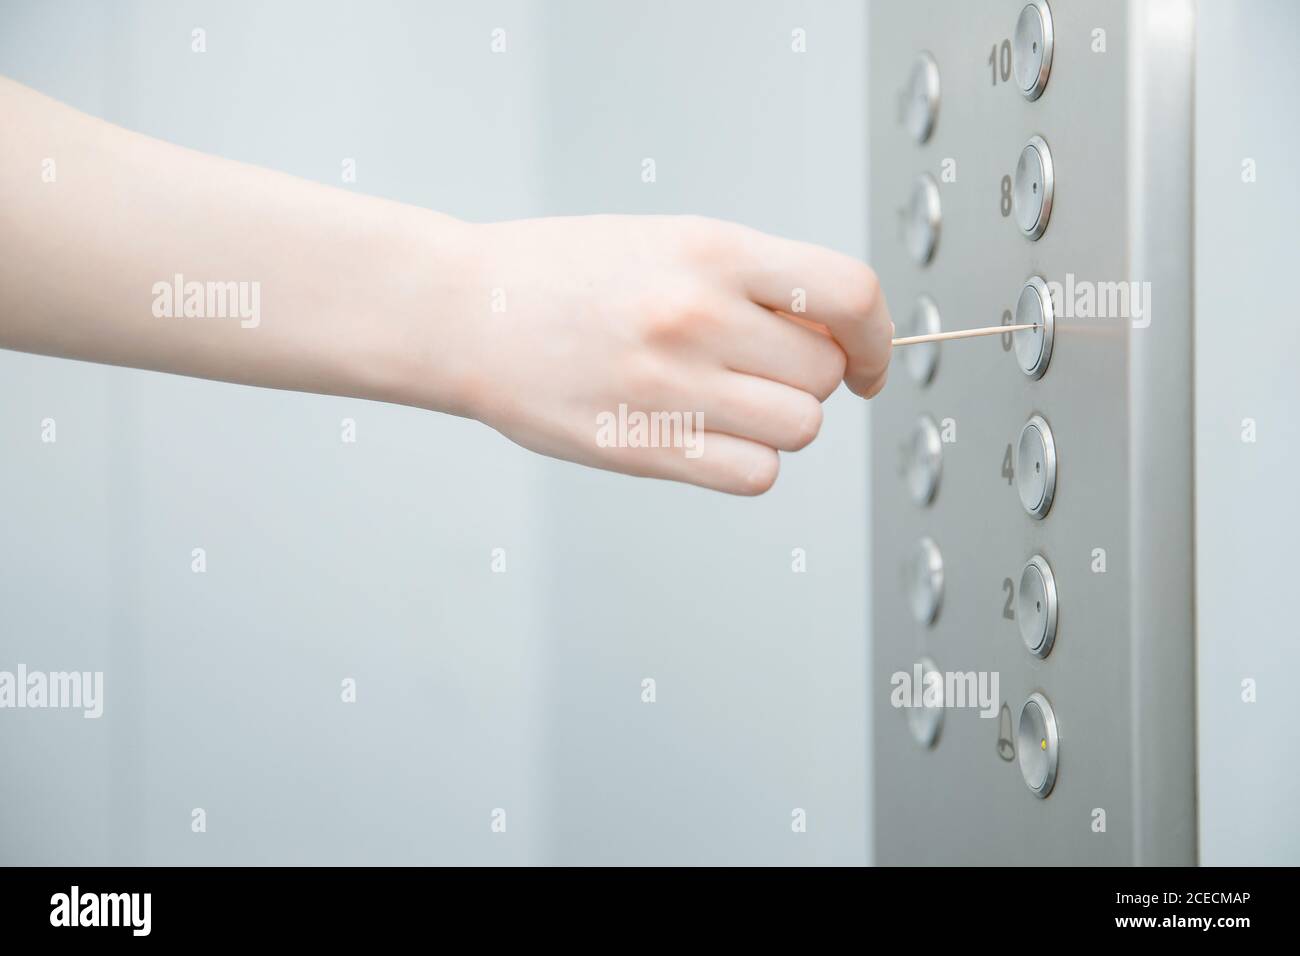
427	350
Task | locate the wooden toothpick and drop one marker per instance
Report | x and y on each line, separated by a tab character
961	334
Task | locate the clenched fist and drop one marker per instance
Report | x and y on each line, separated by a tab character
670	347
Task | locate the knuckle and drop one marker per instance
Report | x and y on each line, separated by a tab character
674	320
664	321
645	379
865	292
706	241
831	373
806	422
760	474
872	389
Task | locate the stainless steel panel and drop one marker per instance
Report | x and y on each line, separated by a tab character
1117	115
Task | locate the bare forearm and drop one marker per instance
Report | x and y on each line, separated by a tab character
137	252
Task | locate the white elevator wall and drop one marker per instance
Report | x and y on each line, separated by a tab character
325	560
1247	510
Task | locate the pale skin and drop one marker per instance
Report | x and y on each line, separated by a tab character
374	299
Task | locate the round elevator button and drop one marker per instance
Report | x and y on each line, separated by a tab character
924	460
1032	48
923	218
922	97
1035	467
925	581
1036	606
926	720
1038	744
1034	346
1032	190
922	359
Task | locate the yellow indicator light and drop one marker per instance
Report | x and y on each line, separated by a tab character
1043	743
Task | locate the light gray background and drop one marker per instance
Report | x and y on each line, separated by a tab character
372	560
1248	518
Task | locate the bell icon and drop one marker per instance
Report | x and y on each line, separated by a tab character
1006	749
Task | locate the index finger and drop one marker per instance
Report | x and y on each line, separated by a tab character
828	288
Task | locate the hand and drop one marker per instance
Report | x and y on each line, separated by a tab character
599	318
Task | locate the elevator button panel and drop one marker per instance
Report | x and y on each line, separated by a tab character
1032	48
924	460
925	581
1035	466
972	110
926	721
923	219
1036	606
922	359
1034	346
1038	744
1032	189
922	105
